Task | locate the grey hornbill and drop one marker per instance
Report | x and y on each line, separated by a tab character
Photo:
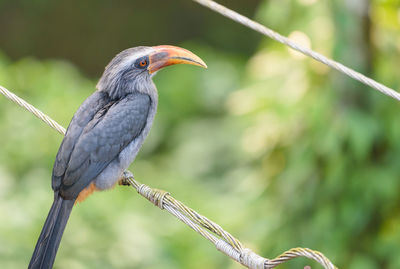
104	136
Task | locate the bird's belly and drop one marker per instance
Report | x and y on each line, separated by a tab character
113	172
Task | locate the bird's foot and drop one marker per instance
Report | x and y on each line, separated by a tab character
124	180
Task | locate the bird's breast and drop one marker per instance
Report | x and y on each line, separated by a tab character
113	172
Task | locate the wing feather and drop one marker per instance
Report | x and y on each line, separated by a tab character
102	139
84	115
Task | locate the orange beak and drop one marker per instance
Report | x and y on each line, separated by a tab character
169	55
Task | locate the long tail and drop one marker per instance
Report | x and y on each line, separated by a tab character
50	237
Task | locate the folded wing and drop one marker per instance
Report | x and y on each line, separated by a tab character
95	143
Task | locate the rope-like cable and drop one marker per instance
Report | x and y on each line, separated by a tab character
21	102
221	239
308	52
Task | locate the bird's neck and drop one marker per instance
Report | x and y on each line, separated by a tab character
120	88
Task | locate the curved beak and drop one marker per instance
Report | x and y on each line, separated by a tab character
163	56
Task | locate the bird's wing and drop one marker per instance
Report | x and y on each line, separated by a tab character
102	139
85	114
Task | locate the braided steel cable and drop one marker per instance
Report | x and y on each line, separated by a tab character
308	52
222	240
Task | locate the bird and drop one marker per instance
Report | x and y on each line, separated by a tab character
104	136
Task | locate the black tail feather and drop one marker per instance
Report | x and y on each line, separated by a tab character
46	247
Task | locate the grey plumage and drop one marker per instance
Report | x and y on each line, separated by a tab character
101	141
104	136
106	123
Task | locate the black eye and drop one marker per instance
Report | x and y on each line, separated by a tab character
142	62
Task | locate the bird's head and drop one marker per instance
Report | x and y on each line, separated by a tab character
131	70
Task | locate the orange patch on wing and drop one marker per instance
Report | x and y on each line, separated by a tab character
85	193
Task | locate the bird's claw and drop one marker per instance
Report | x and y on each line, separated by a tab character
124	180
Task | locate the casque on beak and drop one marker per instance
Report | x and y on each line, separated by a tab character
165	55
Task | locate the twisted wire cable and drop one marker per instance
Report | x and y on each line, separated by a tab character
308	52
222	240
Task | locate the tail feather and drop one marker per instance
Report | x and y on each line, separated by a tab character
46	247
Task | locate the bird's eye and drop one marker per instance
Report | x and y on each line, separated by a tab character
142	62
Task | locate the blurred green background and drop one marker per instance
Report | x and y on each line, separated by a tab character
278	149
